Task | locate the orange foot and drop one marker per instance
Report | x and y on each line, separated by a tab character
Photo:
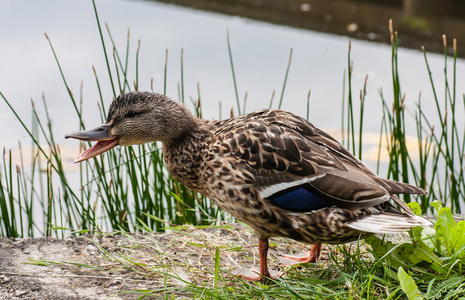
254	274
301	257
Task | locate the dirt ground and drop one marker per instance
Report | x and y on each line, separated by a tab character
49	268
21	280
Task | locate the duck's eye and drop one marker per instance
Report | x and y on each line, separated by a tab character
131	114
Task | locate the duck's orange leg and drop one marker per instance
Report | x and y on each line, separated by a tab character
301	257
263	274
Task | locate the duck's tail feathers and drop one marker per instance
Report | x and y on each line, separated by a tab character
395	187
389	223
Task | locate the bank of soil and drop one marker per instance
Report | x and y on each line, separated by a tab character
102	266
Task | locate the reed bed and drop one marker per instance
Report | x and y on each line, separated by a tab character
439	164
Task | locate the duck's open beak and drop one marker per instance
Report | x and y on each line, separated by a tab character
101	134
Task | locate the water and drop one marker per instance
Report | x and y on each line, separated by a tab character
260	52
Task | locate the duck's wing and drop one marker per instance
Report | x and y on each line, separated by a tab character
298	167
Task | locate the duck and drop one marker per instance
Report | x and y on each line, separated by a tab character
270	169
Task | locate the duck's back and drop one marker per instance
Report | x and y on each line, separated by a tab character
281	150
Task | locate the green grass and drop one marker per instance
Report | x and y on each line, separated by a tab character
129	190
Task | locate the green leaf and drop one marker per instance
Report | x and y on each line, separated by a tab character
428	236
444	227
458	236
395	255
436	204
424	253
415	207
408	285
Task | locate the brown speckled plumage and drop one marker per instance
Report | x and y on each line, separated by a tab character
270	169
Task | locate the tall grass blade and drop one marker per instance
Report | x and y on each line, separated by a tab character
233	73
285	79
104	48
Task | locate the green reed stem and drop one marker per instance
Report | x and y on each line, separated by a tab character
271	100
400	154
136	87
104	49
165	73
285	79
363	93
182	75
63	77
116	52
308	105
343	105
350	111
233	73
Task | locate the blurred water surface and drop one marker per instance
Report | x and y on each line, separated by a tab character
260	53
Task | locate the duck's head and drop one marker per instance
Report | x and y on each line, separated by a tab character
137	118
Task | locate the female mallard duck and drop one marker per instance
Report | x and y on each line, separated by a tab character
270	169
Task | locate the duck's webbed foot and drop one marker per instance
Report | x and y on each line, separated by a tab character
262	274
253	274
301	257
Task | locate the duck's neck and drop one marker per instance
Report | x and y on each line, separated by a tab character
178	123
183	156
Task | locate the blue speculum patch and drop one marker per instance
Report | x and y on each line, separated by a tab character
298	199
